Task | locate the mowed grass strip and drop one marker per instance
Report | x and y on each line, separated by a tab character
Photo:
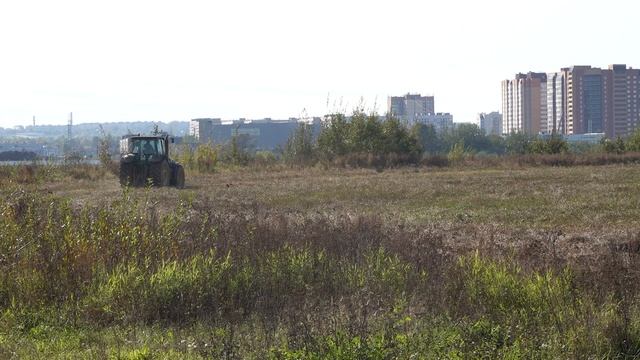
584	197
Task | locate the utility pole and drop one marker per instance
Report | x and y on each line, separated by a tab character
69	126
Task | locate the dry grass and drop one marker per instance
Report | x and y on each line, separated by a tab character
581	198
535	261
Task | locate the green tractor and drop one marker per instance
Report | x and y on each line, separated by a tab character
144	160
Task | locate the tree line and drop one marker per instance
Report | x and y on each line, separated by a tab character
369	140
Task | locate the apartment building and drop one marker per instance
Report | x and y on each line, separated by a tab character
622	100
556	122
440	121
491	123
579	100
524	104
410	107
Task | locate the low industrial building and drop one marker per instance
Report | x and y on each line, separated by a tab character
264	134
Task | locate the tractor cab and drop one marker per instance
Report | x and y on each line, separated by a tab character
143	148
145	160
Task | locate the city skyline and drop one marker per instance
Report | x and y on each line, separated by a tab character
153	61
580	99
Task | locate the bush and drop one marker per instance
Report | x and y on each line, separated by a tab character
300	147
206	158
435	161
457	153
265	158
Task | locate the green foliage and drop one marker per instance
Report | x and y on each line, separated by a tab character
300	147
538	146
456	154
471	136
184	154
632	143
620	146
378	141
206	158
238	152
552	145
397	139
333	139
428	139
175	291
556	145
104	149
517	143
365	133
265	158
125	279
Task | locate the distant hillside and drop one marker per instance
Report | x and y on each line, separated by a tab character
177	128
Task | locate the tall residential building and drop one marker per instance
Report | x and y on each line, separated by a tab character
584	106
579	100
602	100
491	123
623	101
555	103
410	107
524	102
440	121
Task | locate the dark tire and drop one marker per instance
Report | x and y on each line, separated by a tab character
125	175
166	174
179	179
160	173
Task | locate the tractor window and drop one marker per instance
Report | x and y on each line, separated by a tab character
160	147
149	147
146	147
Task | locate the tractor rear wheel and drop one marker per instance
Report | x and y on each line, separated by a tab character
160	173
125	175
179	177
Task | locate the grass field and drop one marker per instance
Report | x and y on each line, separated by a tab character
312	263
568	198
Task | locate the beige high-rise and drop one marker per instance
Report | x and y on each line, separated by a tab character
524	102
579	100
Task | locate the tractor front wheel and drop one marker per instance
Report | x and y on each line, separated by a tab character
179	177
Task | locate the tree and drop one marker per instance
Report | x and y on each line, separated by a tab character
238	151
206	158
397	139
300	147
104	149
456	154
428	139
472	136
621	147
185	155
365	135
537	146
517	143
633	141
497	144
556	145
613	147
333	138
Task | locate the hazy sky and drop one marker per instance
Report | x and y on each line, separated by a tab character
160	60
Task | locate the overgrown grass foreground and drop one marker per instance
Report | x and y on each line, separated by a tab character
126	279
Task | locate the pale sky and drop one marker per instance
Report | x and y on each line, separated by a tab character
176	60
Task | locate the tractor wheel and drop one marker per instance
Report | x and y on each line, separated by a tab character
165	173
125	175
179	179
160	173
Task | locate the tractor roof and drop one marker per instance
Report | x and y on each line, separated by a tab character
144	137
